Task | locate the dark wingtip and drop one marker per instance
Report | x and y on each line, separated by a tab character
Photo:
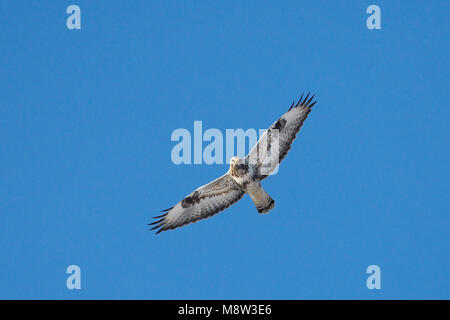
299	100
306	98
160	222
160	216
292	105
156	222
305	102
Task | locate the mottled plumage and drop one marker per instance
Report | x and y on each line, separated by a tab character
244	175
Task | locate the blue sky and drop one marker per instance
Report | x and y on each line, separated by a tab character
85	123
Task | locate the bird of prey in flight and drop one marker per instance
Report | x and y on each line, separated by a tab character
244	176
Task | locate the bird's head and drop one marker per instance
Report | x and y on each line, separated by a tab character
238	164
236	161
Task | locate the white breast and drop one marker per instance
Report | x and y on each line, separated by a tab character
243	180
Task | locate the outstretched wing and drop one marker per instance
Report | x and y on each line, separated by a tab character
276	141
203	203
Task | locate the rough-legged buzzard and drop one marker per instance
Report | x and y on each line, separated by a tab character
244	175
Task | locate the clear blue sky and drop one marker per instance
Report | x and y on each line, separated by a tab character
85	124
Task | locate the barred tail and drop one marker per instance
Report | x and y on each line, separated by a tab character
263	202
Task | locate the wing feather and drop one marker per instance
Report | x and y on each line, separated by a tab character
203	203
276	141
